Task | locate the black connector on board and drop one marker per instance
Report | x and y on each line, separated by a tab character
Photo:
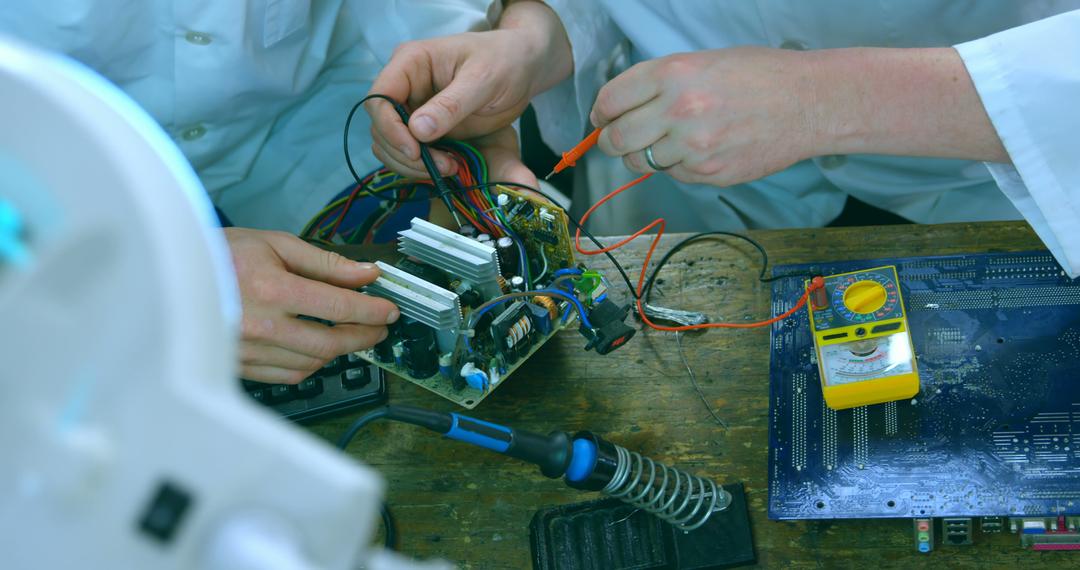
609	329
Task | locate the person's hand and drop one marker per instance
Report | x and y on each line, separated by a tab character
281	277
717	117
503	155
467	86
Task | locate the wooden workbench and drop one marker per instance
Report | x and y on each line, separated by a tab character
473	507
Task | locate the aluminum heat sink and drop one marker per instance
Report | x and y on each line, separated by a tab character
460	257
428	303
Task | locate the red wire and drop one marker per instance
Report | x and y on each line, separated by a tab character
348	203
660	224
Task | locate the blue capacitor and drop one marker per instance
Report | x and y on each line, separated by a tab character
445	360
541	318
477	380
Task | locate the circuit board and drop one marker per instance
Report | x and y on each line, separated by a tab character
501	340
991	432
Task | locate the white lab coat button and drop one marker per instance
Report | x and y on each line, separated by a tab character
198	38
193	133
793	44
832	161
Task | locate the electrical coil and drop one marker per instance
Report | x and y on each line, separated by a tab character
502	283
549	304
672	495
518	331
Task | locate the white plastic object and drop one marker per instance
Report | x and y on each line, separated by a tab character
118	342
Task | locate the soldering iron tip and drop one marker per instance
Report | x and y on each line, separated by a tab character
549	175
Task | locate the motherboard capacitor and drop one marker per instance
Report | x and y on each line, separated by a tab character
445	361
420	356
508	255
384	350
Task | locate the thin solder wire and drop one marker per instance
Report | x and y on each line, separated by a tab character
694	382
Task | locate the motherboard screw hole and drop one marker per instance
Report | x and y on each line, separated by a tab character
468	402
890	504
820	505
1000	340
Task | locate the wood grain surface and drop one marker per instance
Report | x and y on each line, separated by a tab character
473	507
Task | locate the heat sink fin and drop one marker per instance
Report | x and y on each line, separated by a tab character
428	303
459	256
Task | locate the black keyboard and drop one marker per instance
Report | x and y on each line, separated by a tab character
345	383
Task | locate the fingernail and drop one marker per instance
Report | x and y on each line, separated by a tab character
592	118
393	316
444	166
385	333
407	151
423	125
367	266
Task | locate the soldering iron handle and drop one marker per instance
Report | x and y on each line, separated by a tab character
435	421
549	452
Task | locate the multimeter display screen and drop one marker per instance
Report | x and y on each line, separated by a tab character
869	359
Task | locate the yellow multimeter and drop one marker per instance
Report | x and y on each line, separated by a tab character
864	350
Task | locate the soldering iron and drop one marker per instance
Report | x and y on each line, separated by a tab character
584	460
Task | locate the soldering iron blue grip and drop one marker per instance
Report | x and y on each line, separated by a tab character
478	432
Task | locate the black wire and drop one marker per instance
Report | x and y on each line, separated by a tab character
647	290
442	190
425	154
577	224
390	529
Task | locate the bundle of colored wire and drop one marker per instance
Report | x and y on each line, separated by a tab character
467	194
659	224
326	224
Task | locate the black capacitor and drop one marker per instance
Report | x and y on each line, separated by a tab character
508	255
384	351
418	341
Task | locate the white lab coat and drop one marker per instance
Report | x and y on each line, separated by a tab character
254	92
1028	79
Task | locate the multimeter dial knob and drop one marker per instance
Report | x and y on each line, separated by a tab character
865	297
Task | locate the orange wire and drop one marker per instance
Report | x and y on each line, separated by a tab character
660	224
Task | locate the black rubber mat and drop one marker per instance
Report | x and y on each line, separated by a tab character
608	534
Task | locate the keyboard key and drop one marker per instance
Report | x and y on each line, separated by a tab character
261	395
251	385
310	387
331	367
354	378
281	393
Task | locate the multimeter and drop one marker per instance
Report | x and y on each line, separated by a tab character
864	350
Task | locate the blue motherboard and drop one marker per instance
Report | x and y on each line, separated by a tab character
995	427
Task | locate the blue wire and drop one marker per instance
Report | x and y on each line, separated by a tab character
554	292
567	271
